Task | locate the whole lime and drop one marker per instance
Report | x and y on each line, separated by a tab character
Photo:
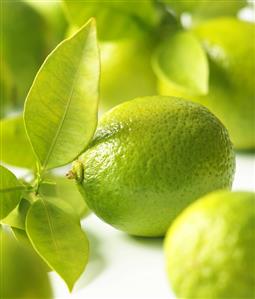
23	275
126	71
149	159
210	248
231	97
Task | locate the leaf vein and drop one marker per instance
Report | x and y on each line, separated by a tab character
54	141
51	227
6	190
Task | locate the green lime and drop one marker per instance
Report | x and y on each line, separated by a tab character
23	275
210	248
231	97
126	71
149	159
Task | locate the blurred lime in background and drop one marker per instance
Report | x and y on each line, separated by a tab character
126	71
55	21
22	49
221	76
210	248
203	10
231	53
28	35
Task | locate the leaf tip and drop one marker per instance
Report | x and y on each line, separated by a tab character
70	286
92	21
89	25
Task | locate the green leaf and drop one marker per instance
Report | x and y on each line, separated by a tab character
21	236
58	238
67	191
13	137
24	47
61	107
115	19
181	61
16	219
10	192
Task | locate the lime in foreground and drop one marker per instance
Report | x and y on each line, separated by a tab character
149	159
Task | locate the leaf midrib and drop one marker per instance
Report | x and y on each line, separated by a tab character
51	227
54	141
6	190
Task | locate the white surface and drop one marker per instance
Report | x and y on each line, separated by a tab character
124	267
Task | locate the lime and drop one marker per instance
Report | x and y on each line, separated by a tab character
23	275
126	71
231	97
210	248
149	159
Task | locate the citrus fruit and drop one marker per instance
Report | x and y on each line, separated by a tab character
126	71
149	159
206	9
22	273
210	248
23	49
231	96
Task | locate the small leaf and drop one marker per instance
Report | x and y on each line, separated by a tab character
67	191
13	137
16	219
181	60
61	107
10	192
115	19
58	238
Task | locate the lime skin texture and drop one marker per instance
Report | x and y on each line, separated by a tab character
210	248
230	47
149	159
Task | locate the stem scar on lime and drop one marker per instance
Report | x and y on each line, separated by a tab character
77	172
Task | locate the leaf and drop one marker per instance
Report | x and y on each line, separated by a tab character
24	47
57	237
13	137
16	219
181	60
61	107
67	191
10	192
21	236
115	19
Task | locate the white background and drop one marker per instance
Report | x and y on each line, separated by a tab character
125	267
